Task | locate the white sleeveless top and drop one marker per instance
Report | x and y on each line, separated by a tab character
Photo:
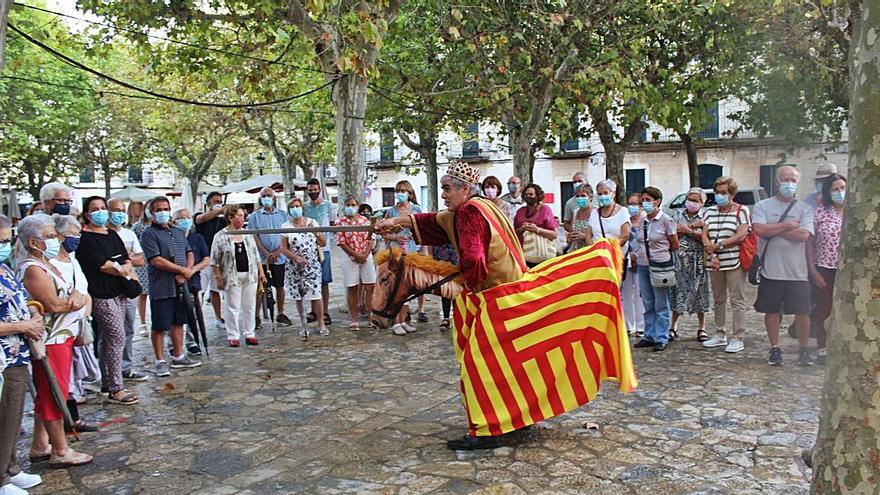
59	326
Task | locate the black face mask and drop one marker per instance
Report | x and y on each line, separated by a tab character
61	209
531	201
314	195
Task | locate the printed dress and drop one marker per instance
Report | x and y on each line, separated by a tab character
141	271
691	292
303	282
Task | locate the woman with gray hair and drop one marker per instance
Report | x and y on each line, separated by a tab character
63	308
691	292
579	234
609	220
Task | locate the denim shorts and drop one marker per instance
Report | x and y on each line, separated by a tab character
326	273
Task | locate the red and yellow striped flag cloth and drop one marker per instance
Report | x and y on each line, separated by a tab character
535	348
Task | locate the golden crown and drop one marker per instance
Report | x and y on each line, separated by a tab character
462	171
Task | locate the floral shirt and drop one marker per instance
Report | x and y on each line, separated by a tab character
828	225
13	308
356	240
223	255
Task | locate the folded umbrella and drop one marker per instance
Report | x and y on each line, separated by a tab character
269	303
200	317
183	296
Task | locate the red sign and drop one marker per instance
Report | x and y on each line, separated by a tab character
549	198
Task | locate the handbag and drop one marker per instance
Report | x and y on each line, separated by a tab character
758	263
749	246
662	272
86	334
131	288
537	248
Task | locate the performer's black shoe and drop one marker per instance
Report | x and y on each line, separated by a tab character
469	442
644	343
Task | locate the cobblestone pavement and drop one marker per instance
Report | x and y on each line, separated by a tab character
369	412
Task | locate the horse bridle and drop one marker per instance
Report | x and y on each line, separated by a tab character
391	308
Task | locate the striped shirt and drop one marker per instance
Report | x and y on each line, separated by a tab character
723	226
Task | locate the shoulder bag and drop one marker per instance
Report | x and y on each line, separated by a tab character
758	263
662	272
537	248
86	335
749	246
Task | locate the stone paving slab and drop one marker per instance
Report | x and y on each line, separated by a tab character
369	412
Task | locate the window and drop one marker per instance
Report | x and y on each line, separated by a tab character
711	129
635	179
387	196
708	173
136	175
87	175
566	191
386	147
470	146
768	178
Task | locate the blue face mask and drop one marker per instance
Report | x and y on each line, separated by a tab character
70	244
633	210
118	218
296	212
148	215
838	197
5	251
648	206
185	223
61	209
349	211
512	187
163	217
582	201
266	202
604	199
100	217
722	199
401	197
788	189
53	247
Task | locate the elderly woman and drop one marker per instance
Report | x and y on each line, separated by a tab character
17	326
658	238
235	260
633	310
579	225
358	268
104	259
38	243
609	220
303	276
141	215
535	217
691	291
492	191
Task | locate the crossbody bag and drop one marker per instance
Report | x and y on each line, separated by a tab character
662	272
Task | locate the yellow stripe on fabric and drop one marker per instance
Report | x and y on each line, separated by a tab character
568	261
537	381
473	406
486	378
551	287
600	352
596	298
563	384
551	332
509	375
584	370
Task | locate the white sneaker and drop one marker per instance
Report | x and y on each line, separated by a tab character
716	341
409	328
398	329
735	345
11	489
25	480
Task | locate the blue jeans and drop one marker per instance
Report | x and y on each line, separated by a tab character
656	301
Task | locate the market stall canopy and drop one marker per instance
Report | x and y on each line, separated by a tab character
254	184
132	193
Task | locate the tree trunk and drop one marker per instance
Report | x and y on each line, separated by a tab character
614	155
429	153
523	155
288	174
846	458
691	151
5	7
350	100
105	168
615	150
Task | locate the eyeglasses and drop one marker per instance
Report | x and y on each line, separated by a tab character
63	201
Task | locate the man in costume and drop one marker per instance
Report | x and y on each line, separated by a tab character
488	249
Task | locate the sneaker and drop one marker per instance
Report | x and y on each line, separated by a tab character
185	362
162	369
193	350
409	328
775	357
283	319
422	318
644	343
716	341
821	356
134	376
10	489
804	358
25	480
398	329
735	345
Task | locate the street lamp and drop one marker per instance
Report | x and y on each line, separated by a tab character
260	158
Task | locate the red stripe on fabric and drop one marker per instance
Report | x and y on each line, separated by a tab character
536	305
543	363
595	365
498	377
577	383
514	248
480	392
587	336
575	255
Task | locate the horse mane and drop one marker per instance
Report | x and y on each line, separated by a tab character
422	262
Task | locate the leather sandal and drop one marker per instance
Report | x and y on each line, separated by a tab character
127	398
36	456
71	458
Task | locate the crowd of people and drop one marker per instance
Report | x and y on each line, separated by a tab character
73	289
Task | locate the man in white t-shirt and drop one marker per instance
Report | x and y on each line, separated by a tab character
118	219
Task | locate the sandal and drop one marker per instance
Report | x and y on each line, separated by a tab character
422	318
354	327
126	400
71	458
673	334
702	336
444	325
35	456
86	426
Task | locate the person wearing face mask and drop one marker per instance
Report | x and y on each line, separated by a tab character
235	263
405	204
118	219
535	217
207	224
144	220
783	226
609	220
633	309
358	268
105	262
578	180
56	198
201	256
492	191
662	240
304	268
63	307
579	222
823	171
725	225
324	214
514	194
274	261
691	291
170	265
823	254
37	207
